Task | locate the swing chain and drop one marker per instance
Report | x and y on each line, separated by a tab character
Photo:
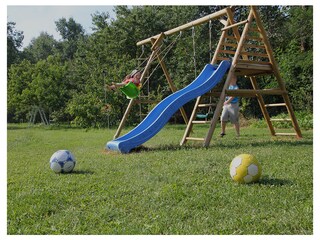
210	39
194	51
166	50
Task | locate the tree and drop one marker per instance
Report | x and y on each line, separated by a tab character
296	60
72	33
41	47
42	84
100	20
19	78
77	67
14	43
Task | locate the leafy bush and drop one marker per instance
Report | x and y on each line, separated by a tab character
305	121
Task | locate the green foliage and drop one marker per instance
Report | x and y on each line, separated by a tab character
84	64
41	47
72	33
297	70
14	42
304	118
42	84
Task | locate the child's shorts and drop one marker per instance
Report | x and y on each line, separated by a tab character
230	112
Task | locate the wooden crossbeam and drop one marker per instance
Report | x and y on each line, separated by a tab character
234	25
254	92
187	26
254	66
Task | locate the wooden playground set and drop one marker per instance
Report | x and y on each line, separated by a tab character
244	43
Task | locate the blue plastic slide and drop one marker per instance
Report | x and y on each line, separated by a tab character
160	115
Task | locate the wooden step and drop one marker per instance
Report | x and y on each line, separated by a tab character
280	120
201	122
227	51
254	68
194	139
285	134
255	54
275	105
241	61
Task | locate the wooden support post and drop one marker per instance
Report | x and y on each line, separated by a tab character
124	118
220	44
262	106
276	72
218	110
156	43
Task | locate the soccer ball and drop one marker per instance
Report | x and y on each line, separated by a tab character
62	161
245	168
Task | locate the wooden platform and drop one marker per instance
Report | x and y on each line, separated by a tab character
253	68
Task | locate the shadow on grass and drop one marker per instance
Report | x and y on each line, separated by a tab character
16	127
85	172
23	126
274	181
168	147
230	144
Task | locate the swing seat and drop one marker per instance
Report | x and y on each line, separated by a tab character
204	116
130	90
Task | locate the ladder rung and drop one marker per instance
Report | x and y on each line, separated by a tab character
255	65
254	46
281	120
254	29
227	51
275	105
194	139
253	62
254	38
234	45
223	58
255	54
286	134
231	37
206	105
201	122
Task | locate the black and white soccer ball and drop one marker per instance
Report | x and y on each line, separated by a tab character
62	161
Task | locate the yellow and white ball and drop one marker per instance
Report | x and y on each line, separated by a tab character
245	168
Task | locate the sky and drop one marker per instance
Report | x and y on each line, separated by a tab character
33	20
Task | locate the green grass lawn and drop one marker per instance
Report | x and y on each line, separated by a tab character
163	189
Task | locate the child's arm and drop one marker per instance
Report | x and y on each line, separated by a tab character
229	100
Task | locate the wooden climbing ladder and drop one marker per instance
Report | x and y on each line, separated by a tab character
247	45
